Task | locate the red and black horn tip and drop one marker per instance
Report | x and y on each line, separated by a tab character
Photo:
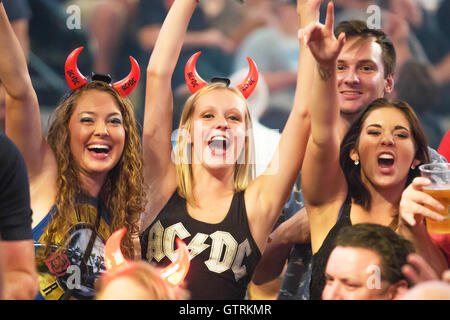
113	255
74	77
127	84
195	82
249	84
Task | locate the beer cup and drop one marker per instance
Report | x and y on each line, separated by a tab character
439	188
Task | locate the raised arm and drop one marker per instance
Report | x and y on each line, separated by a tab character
323	182
271	190
23	122
278	249
159	170
321	168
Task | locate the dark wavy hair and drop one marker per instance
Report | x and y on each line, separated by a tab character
357	188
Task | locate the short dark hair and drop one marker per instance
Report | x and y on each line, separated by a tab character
358	28
357	188
392	248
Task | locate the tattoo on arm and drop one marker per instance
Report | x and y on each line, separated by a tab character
325	72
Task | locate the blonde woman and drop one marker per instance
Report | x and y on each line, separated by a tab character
205	194
85	177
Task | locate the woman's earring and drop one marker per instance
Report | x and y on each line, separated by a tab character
412	167
356	162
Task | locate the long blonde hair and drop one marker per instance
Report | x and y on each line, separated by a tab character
122	193
244	171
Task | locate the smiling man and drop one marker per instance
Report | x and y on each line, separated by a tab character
365	68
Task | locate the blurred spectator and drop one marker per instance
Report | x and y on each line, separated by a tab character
107	22
275	50
266	139
416	85
137	280
216	47
19	14
442	18
422	23
254	14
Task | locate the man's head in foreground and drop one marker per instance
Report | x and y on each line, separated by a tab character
366	264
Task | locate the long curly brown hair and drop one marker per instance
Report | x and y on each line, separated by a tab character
123	191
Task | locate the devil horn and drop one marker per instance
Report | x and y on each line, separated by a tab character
193	80
74	77
113	255
249	84
127	84
177	270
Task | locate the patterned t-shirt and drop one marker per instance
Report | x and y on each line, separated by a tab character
63	275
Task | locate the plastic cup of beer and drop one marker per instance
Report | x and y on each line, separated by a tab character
439	188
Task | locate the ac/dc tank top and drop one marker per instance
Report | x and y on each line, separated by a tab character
223	255
320	258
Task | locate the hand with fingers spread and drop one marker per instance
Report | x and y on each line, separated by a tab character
416	204
321	40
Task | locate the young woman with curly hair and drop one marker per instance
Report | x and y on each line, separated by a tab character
85	177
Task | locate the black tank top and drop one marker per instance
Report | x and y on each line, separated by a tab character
223	255
320	258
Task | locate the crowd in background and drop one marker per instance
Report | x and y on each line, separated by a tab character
226	32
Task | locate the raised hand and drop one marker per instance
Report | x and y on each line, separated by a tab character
321	40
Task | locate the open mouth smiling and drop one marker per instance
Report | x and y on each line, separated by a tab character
99	151
219	144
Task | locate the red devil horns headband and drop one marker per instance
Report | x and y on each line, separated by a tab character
75	78
195	82
173	273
